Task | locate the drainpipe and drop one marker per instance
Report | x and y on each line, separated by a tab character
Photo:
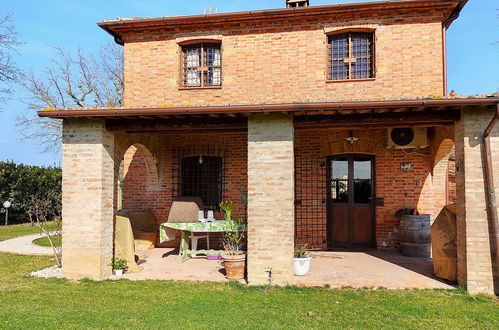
444	58
489	183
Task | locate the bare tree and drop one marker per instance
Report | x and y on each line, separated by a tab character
44	215
9	72
72	81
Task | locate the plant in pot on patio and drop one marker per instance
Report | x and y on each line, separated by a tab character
234	258
119	266
302	260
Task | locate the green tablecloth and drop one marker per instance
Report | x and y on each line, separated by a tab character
168	230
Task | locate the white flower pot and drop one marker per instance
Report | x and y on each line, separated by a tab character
302	266
118	272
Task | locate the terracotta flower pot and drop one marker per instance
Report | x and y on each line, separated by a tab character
234	266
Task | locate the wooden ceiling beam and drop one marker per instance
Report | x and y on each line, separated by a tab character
380	120
162	125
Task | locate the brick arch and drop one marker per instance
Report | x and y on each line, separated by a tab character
443	151
442	164
206	142
437	182
140	159
361	146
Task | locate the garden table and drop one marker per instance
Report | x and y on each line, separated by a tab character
216	226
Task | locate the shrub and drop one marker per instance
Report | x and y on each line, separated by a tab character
21	183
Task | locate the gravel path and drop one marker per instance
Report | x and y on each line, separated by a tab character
24	245
49	272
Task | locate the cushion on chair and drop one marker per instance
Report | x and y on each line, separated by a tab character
144	226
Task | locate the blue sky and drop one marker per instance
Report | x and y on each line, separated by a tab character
472	57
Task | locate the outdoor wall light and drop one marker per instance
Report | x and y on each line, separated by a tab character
200	159
405	167
6	205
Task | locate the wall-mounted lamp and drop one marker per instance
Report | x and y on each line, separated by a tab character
405	167
200	159
352	139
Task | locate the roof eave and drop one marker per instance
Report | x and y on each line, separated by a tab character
112	26
267	108
455	13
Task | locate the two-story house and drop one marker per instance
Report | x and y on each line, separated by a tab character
320	121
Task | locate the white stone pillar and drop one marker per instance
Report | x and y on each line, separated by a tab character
270	198
88	183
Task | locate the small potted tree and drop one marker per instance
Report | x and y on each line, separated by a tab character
302	260
234	258
119	266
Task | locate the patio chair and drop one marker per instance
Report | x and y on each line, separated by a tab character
185	209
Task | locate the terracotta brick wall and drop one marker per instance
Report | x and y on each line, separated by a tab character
414	189
137	192
418	188
285	61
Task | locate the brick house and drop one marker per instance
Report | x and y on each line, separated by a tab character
292	108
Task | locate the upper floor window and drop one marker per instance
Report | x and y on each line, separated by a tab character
351	56
202	65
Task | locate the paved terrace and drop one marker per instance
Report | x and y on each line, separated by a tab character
337	269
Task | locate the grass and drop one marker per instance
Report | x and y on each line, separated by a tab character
58	303
12	231
44	241
42	303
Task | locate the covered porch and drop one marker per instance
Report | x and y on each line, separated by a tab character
276	157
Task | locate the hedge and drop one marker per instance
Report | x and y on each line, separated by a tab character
19	183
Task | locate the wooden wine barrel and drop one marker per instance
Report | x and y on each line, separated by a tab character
415	235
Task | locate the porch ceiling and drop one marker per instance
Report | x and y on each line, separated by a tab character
352	108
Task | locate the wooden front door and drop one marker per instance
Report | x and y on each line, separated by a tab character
350	201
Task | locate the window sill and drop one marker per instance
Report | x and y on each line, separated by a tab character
198	88
350	80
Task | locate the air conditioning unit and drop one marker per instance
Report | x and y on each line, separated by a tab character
405	138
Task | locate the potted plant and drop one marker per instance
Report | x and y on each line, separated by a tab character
234	258
302	260
227	207
119	266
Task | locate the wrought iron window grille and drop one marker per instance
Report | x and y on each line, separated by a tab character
351	56
202	65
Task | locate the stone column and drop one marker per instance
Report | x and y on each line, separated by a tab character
270	198
475	240
88	183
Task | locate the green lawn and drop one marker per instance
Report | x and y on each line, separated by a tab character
19	230
44	241
40	303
